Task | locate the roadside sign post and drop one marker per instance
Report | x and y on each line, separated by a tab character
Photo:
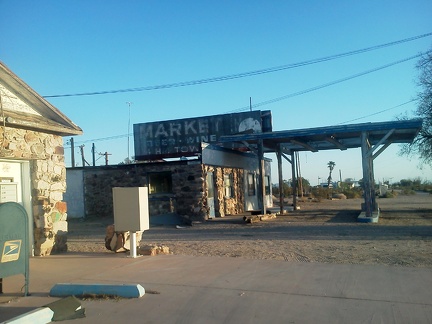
131	212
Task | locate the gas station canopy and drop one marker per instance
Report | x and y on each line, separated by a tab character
340	137
372	138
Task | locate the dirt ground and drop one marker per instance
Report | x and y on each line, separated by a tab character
325	231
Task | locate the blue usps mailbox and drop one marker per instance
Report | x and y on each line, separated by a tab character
14	245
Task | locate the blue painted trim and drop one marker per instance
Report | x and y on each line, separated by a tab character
68	289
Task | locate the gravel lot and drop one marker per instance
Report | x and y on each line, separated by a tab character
325	231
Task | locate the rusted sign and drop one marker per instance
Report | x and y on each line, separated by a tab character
183	137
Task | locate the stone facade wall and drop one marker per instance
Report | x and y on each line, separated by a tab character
185	199
48	183
228	205
98	184
188	186
189	189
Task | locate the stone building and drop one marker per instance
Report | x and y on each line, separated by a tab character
187	170
32	168
218	183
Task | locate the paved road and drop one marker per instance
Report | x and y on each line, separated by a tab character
184	289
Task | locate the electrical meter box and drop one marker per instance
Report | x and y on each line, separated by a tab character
131	211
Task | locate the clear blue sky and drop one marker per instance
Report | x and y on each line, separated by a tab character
66	47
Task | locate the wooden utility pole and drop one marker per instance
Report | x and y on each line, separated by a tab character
93	154
72	151
84	162
106	157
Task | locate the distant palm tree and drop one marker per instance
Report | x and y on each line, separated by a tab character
331	166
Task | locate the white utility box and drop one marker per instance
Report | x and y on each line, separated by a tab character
131	210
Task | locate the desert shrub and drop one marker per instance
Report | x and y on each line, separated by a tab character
319	193
353	193
339	196
408	192
389	194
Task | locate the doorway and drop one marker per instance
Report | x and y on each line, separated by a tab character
210	195
15	187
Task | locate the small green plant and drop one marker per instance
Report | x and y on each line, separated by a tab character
389	194
319	193
352	193
408	192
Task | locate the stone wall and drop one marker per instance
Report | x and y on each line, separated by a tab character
188	186
48	183
228	205
185	199
189	189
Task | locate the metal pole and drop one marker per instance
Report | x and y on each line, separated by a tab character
294	180
281	194
128	157
133	250
72	152
261	197
93	154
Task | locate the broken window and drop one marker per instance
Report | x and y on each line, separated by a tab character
228	185
251	184
160	182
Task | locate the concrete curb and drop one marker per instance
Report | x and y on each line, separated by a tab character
40	315
69	289
363	219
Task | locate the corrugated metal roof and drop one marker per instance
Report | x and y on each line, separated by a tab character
332	137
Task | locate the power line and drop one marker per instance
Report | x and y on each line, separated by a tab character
293	95
378	112
244	74
100	139
348	121
325	85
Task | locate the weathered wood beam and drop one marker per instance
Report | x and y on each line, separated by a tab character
336	143
294	181
279	160
261	196
381	150
36	123
381	141
286	158
253	149
305	145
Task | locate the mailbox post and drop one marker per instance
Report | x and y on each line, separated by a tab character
14	245
131	212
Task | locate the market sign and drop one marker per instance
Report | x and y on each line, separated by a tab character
183	137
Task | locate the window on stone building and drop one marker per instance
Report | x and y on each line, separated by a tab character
267	185
251	184
160	182
228	185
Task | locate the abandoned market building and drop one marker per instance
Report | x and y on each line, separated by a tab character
188	172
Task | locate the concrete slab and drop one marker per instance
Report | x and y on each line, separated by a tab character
183	289
40	315
362	218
